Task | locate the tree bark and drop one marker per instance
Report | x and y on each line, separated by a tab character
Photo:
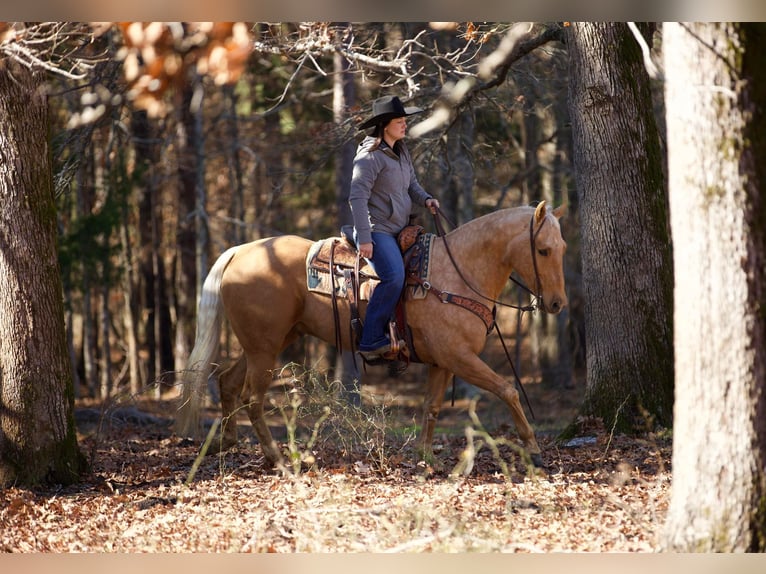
344	98
142	300
456	180
37	434
626	257
186	261
200	193
547	333
89	332
233	151
130	319
716	123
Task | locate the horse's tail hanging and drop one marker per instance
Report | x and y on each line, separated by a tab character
206	342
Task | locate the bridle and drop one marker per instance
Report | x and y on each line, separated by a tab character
537	294
538	298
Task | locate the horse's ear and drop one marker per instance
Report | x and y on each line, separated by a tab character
560	211
540	212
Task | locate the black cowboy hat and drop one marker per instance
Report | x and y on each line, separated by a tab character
387	108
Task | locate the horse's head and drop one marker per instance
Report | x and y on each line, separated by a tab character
543	270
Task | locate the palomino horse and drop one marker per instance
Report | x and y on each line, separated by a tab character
262	288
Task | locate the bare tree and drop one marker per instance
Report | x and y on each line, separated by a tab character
344	98
147	286
715	94
186	269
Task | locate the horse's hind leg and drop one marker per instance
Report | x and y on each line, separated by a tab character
438	379
231	382
257	383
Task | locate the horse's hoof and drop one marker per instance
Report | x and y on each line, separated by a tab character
537	460
220	446
272	456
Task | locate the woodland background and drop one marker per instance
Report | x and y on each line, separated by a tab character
147	203
165	143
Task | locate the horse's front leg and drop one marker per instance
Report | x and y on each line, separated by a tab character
438	378
475	371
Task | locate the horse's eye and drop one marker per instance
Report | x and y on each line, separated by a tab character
544	252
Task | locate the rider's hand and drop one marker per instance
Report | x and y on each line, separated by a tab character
365	250
432	204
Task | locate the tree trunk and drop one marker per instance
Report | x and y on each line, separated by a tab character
130	318
548	345
89	333
627	265
37	434
344	98
237	212
200	193
102	188
105	320
146	286
455	185
186	261
716	122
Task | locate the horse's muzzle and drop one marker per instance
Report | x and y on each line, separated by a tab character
555	305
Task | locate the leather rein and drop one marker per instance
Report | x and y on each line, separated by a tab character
532	238
536	294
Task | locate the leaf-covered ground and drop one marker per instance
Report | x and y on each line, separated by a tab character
359	487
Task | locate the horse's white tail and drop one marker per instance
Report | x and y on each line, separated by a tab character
206	343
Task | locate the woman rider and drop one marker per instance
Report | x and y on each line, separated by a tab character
383	190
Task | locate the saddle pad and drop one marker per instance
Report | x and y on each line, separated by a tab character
319	279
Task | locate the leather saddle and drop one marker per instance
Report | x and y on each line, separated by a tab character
341	253
339	258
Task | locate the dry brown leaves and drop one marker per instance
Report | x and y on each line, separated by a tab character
610	494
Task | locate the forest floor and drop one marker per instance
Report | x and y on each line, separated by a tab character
355	484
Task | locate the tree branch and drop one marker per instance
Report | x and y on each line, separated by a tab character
651	68
520	40
61	48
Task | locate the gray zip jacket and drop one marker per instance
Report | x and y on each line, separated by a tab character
383	189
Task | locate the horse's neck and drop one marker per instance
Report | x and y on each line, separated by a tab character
482	247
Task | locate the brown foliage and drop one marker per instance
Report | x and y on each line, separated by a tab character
157	55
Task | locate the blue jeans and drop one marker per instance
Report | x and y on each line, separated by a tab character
389	267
